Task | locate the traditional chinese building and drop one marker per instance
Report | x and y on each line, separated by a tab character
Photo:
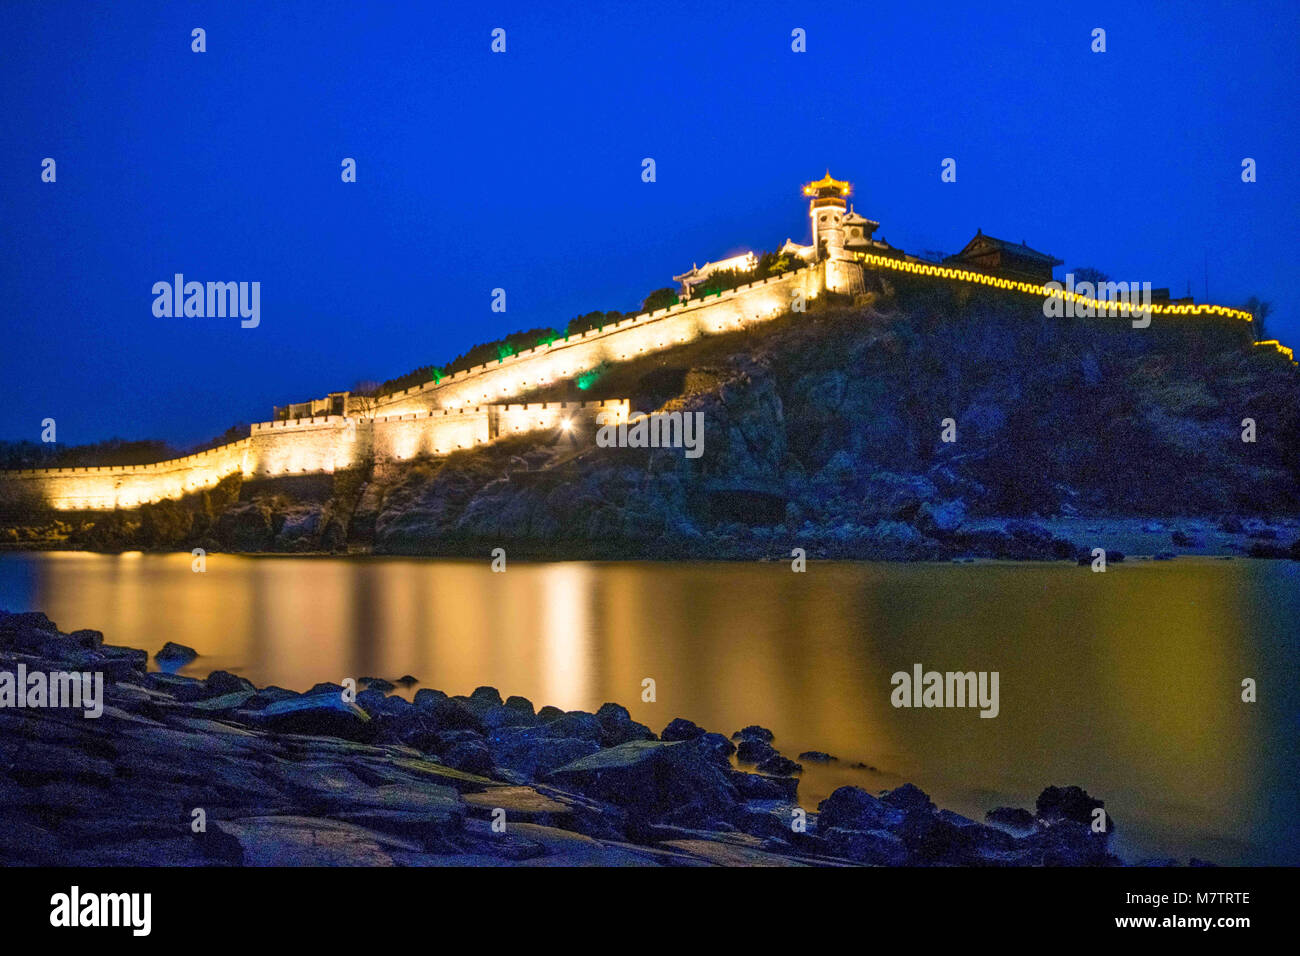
1010	259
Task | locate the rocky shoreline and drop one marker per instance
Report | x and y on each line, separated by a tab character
1061	538
284	778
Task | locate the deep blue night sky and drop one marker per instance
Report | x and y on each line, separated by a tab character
523	170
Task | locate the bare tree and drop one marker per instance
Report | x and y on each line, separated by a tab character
1261	311
364	399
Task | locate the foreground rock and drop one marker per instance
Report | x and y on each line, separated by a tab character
188	772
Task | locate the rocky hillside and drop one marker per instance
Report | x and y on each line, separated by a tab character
824	430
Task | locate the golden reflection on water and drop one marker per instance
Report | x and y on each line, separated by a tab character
1126	683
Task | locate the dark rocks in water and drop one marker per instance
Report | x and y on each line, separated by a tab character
496	717
852	808
680	729
426	697
1015	820
487	695
326	715
716	747
618	727
779	766
224	682
1030	541
406	680
754	732
87	638
173	655
1065	843
377	683
534	752
576	724
316	780
754	751
756	786
1232	525
908	798
377	703
325	688
451	714
651	779
818	756
520	705
549	713
1068	803
940	520
184	689
24	622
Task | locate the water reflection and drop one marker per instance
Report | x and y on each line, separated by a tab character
1126	683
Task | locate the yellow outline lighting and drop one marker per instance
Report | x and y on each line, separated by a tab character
811	189
961	275
1289	353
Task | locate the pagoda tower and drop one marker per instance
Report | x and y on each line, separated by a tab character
827	207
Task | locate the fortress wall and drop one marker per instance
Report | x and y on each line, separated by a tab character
399	437
551	416
458	412
319	445
122	486
630	338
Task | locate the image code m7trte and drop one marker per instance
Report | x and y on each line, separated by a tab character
853	444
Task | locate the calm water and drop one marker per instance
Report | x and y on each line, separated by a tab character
1126	683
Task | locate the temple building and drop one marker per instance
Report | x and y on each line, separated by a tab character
998	256
836	230
699	274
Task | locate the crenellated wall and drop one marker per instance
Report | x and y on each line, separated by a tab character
320	445
460	411
632	337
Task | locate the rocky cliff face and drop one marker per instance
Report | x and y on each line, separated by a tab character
827	431
840	420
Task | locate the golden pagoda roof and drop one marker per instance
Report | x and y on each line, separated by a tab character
827	182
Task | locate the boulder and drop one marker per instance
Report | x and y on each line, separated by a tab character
534	752
778	766
940	519
852	808
326	715
680	729
908	798
618	727
651	779
754	751
818	756
1067	803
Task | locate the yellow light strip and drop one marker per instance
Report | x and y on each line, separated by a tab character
962	275
1280	347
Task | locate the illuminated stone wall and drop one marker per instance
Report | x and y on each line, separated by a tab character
305	446
632	337
122	487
